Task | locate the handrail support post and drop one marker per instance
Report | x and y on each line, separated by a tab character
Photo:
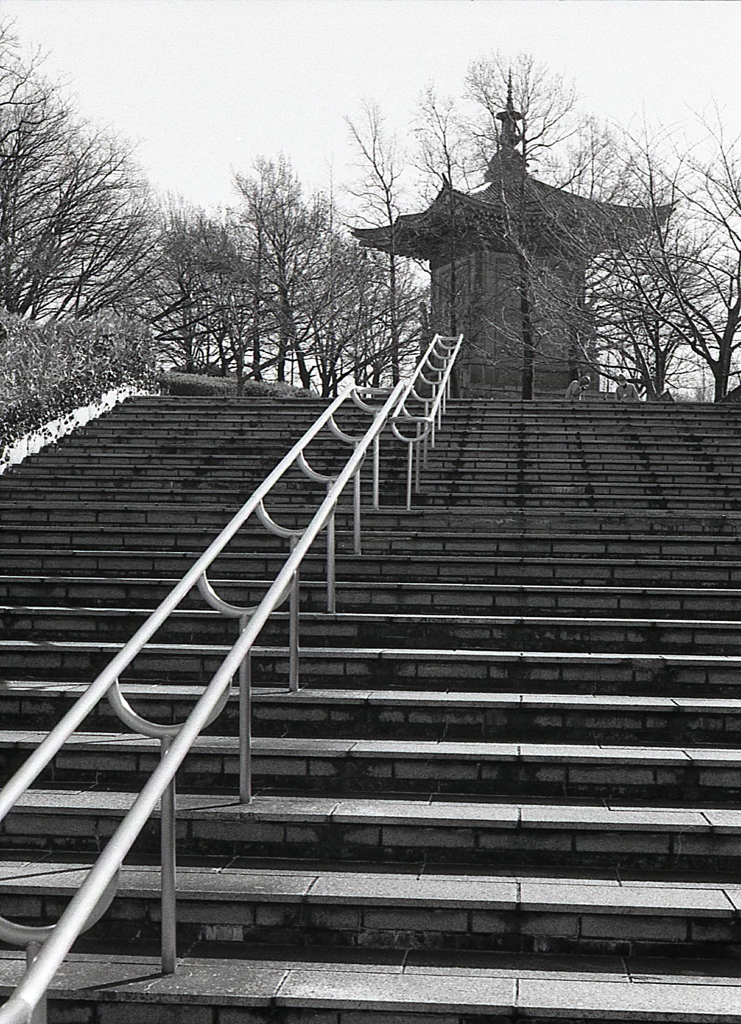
376	472
39	1014
245	723
417	459
424	441
410	466
356	526
168	894
331	565
293	630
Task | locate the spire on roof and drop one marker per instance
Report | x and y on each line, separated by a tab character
509	135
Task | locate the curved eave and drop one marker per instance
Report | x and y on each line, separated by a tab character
421	235
553	216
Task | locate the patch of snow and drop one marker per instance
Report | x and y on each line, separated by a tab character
50	433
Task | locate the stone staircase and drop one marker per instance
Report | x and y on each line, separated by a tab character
509	788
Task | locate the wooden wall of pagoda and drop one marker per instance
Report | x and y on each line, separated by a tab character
478	295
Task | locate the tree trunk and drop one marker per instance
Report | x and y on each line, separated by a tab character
528	342
394	320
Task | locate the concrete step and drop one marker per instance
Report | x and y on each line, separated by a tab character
455	568
589	486
176	491
714	503
453	521
215	492
325	986
393	668
432	597
376	910
398	767
408	714
254	537
435	830
346	629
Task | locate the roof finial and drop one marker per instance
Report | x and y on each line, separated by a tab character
509	135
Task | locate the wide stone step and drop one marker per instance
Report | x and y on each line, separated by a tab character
452	487
253	537
204	490
541	671
548	458
231	465
434	494
167	490
475	632
421	598
386	989
488	543
407	714
398	767
387	713
607	835
455	568
586	523
635	490
407	911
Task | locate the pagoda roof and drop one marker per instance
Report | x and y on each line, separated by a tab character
553	220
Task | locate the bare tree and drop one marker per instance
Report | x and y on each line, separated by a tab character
288	232
380	193
75	216
683	278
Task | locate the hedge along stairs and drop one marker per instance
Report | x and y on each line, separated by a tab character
509	787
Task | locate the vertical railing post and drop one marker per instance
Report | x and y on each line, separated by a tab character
377	471
245	722
424	442
356	534
168	881
38	1014
331	564
417	456
293	629
410	466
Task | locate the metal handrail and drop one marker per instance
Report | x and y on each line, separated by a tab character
27	1003
425	426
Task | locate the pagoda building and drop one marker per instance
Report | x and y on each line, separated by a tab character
508	262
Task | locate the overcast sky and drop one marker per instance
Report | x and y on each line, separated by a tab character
205	86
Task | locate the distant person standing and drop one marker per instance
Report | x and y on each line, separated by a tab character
626	391
575	389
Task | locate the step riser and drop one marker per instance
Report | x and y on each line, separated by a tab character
504	466
206	629
256	922
419	600
461	522
386	776
659	727
347	674
375	544
392	496
476	846
461	570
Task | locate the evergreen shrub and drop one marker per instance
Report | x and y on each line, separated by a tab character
48	370
176	382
